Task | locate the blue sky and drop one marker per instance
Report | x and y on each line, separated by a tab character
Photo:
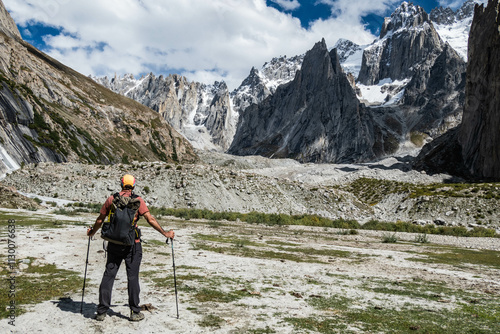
309	11
205	41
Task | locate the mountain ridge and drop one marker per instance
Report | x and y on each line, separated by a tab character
49	112
262	83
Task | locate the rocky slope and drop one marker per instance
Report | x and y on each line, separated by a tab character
388	190
474	146
48	112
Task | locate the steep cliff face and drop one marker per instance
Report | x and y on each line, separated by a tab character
48	112
425	76
314	118
475	145
480	129
407	39
436	93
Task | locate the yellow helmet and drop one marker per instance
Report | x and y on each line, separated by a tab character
128	180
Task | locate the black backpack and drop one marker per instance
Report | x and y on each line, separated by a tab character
121	228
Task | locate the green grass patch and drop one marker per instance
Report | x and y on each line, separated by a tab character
389	238
211	320
213	295
37	283
256	218
338	315
417	289
372	191
183	280
400	226
156	243
421	239
256	253
35	220
460	256
267	330
286	251
228	239
346	226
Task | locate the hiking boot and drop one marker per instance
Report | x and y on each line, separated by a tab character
100	316
136	316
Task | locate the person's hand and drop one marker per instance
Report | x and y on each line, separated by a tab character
170	234
90	232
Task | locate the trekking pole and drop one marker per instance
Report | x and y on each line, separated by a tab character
85	276
175	279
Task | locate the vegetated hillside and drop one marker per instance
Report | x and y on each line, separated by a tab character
49	112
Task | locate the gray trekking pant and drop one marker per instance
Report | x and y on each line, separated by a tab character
132	256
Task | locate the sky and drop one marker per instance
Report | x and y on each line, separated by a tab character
205	41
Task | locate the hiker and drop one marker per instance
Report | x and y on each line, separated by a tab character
118	251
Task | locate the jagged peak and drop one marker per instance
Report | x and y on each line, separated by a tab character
446	15
407	16
321	45
345	43
467	9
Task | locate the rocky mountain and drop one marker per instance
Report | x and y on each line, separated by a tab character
472	150
419	74
407	40
409	74
205	114
202	113
426	103
454	26
49	112
314	118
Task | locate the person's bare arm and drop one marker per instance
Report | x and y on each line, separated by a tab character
152	221
97	225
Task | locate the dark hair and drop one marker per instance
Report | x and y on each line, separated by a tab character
128	187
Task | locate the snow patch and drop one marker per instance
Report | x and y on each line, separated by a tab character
386	92
8	164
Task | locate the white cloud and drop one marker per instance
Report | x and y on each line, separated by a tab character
453	4
353	10
289	5
203	40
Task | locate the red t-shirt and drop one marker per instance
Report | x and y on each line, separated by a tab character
142	207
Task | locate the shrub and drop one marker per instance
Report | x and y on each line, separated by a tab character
421	238
389	238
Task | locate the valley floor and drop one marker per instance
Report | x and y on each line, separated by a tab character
234	277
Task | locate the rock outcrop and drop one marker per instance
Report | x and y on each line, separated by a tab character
411	52
475	145
49	112
7	24
407	39
480	129
314	118
436	94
